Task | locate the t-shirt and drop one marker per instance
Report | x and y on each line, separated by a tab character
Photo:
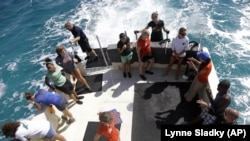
180	44
77	32
57	77
47	98
120	45
66	62
156	34
203	78
144	45
109	132
32	129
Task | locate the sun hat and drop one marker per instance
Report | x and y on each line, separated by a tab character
203	55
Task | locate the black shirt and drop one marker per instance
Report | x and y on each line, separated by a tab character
156	34
77	31
127	51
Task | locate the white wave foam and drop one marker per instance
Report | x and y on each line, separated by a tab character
2	88
12	66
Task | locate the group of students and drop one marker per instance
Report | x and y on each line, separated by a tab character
25	130
217	112
179	46
200	64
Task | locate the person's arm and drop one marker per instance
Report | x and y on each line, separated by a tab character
97	137
75	40
121	49
47	80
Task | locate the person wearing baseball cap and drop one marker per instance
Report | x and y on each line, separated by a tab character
202	66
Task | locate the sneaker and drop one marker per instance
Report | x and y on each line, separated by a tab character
124	75
79	102
129	75
86	58
71	121
64	117
149	72
185	77
143	77
80	97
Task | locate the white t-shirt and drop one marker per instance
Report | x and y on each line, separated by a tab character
32	129
180	44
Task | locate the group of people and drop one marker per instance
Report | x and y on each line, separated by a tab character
179	46
217	111
65	62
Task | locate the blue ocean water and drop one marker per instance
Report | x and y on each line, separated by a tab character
31	29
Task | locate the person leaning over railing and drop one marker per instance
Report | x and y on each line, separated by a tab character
60	81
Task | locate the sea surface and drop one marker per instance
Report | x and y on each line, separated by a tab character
31	30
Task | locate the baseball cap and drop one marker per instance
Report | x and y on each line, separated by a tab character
203	55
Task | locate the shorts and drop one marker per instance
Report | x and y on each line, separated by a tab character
127	57
67	87
207	117
62	105
85	47
51	133
147	57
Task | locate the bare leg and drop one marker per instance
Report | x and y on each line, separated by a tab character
93	52
177	74
77	74
128	66
141	64
151	62
58	137
172	60
67	113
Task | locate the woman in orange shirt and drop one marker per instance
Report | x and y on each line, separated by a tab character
107	128
144	54
203	67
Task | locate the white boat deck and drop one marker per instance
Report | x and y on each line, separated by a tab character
117	92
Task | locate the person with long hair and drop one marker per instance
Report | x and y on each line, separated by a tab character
203	67
66	61
157	26
124	48
144	54
179	46
60	81
25	130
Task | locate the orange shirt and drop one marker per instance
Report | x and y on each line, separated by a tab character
109	132
144	46
203	78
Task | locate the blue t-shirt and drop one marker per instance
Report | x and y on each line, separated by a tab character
47	98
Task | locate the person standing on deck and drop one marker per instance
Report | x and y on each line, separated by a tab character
144	53
179	46
44	97
81	38
124	48
60	81
157	26
66	61
26	130
203	67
